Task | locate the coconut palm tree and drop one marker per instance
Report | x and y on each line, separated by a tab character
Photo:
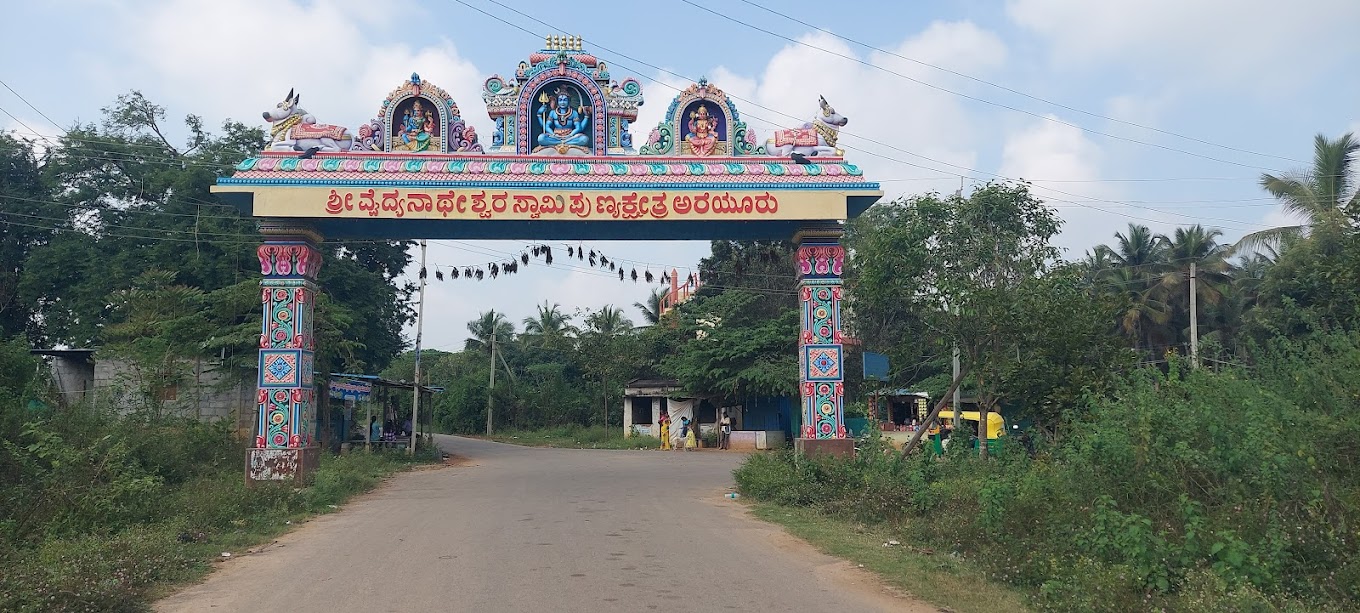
487	325
1145	313
651	311
1133	269
550	322
609	321
1140	250
1325	193
1200	246
1193	245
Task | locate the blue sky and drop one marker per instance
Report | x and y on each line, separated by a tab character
1248	82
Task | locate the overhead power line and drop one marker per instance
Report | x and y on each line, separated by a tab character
974	173
986	82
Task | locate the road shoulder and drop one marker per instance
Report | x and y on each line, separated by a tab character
918	575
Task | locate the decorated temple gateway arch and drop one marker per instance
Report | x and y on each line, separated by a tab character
560	164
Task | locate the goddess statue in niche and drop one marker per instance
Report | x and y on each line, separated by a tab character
702	137
417	125
563	127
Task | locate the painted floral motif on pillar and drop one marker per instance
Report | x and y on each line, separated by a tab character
821	360
286	394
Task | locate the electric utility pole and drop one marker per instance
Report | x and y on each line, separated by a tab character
492	386
420	323
958	389
1194	319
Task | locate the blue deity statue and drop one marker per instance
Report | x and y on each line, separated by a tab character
563	126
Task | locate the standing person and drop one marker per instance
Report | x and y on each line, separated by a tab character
724	431
687	429
374	430
665	420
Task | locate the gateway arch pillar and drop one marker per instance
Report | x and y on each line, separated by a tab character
821	360
285	446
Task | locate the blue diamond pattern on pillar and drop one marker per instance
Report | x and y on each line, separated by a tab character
822	362
279	368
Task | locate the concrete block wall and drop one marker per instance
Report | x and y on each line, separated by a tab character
206	391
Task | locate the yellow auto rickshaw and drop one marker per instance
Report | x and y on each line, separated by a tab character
996	427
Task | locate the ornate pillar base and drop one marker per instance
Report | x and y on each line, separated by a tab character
285	446
294	465
828	447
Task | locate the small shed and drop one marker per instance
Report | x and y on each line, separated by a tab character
72	372
758	423
644	400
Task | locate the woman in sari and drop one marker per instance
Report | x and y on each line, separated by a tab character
665	430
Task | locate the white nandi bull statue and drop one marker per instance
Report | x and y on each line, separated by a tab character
295	129
816	137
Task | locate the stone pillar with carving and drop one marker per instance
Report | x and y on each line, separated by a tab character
821	361
285	429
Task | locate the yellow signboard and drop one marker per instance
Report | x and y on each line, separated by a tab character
546	204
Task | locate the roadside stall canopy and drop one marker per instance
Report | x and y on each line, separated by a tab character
386	399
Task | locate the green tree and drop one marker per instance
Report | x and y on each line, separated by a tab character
131	201
608	321
551	326
159	328
1312	286
488	325
765	268
609	355
731	352
1322	195
651	310
28	220
956	265
1199	246
1067	350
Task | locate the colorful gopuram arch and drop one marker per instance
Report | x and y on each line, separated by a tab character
560	165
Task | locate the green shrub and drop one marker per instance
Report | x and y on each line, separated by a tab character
95	573
96	509
1185	490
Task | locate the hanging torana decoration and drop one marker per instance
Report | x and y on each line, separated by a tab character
594	257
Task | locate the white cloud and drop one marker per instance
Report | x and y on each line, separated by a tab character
910	120
257	50
1279	217
38	132
903	117
1207	41
657	92
1069	166
1146	110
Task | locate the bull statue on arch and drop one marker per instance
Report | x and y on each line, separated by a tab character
294	129
816	137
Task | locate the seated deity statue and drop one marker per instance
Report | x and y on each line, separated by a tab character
563	127
416	126
702	137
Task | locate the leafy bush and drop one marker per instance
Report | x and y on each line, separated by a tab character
1186	489
95	573
98	509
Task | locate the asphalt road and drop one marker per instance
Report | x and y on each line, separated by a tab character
527	529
